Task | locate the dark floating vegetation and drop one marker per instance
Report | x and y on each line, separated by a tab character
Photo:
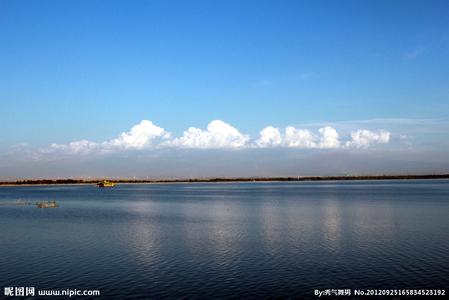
22	203
38	204
225	179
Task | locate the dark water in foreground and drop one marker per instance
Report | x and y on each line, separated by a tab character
251	240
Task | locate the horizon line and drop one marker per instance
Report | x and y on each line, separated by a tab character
224	179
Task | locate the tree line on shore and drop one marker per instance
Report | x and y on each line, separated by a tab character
225	179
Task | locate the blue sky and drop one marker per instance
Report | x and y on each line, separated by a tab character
90	70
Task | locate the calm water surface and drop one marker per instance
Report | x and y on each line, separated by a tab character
251	240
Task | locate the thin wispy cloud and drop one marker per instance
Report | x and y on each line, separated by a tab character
308	75
414	53
263	83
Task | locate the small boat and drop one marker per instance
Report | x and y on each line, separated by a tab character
106	183
46	204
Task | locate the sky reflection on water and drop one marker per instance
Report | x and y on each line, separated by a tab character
228	240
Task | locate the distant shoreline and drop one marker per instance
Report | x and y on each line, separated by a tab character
223	179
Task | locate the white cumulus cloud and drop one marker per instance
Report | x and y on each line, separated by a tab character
269	137
221	135
218	135
327	138
76	147
299	138
362	138
139	137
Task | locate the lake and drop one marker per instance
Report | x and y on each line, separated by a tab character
227	240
